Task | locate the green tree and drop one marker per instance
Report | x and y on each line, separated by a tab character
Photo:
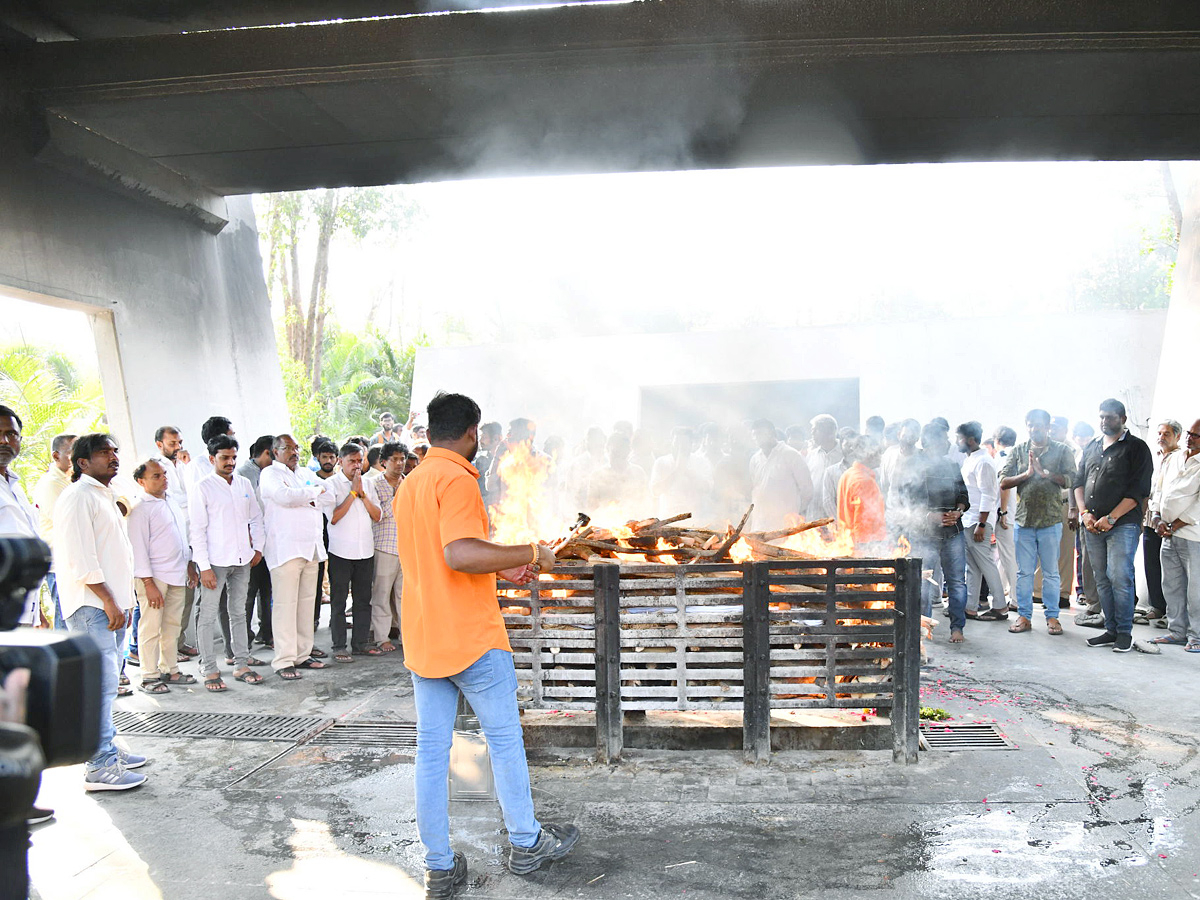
362	377
290	218
50	396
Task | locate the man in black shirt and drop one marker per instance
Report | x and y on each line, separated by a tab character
1112	481
934	498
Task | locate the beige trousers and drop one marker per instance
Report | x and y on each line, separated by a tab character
158	629
385	595
293	596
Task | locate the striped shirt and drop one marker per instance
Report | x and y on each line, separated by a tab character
385	528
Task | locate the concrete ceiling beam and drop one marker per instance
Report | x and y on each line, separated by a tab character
79	152
644	86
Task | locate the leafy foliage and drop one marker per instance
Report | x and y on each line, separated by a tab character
46	390
363	376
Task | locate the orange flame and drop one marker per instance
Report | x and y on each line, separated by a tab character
525	511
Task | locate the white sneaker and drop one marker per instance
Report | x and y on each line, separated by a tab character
113	777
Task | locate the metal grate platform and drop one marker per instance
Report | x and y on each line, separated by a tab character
389	735
975	736
234	726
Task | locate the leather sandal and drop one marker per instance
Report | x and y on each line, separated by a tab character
1022	624
1053	626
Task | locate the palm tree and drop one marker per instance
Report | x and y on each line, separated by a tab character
362	377
47	392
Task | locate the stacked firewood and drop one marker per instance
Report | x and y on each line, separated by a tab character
654	539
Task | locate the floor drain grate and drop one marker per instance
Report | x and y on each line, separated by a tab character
235	726
978	736
391	735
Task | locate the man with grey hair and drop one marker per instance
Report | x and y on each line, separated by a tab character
1169	434
295	547
1175	517
824	453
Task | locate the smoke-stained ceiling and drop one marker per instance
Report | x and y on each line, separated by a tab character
116	89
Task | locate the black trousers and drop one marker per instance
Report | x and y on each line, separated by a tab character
260	594
353	576
1151	544
14	862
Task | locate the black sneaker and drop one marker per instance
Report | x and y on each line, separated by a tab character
555	842
442	884
38	815
1124	643
1103	640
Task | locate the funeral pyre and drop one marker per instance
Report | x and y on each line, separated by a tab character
662	642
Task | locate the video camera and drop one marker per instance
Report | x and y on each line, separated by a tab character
62	705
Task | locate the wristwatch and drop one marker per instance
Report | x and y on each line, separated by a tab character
1110	519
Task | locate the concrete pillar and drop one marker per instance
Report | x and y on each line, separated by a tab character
1175	394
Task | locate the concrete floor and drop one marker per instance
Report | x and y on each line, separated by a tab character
1100	796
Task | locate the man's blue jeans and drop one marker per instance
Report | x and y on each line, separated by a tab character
60	623
951	552
133	631
490	686
93	621
1034	544
1111	555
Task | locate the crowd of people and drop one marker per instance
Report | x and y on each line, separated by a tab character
204	557
1002	523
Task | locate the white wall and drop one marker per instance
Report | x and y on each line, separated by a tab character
183	322
990	369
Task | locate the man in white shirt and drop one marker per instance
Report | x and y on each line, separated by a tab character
583	466
17	516
162	569
95	585
227	540
983	492
351	555
1176	519
824	453
781	484
294	517
1006	542
682	482
201	466
389	581
177	463
619	485
46	492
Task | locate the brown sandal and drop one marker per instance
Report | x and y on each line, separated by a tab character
1053	626
1021	625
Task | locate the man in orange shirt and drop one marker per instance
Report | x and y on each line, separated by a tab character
455	641
860	508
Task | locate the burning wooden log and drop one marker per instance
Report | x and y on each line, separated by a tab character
788	532
656	538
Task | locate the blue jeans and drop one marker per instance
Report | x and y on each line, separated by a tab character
1111	555
490	686
93	621
60	624
133	631
951	553
1034	545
